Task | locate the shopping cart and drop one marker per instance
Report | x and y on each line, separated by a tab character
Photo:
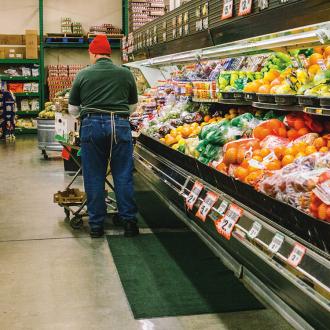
73	200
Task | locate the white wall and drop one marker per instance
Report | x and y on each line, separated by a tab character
18	15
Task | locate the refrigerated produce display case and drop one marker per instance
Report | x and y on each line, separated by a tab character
235	139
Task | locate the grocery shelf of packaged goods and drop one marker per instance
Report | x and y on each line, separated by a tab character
18	78
27	113
27	94
18	61
317	111
23	130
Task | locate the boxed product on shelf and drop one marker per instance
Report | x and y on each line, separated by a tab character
25	105
16	87
65	124
31	44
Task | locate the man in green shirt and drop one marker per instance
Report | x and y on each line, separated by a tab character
103	96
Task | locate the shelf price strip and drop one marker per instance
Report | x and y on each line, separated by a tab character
223	207
193	195
296	255
255	230
206	206
226	224
276	243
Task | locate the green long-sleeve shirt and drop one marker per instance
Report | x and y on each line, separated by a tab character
104	86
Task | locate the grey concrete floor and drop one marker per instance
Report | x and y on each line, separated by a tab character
52	277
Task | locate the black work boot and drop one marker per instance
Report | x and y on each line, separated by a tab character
117	220
97	232
131	228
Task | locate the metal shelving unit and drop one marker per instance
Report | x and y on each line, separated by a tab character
18	61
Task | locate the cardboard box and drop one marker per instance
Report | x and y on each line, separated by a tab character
31	42
11	39
2	53
65	124
11	52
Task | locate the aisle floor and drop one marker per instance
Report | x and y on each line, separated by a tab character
52	277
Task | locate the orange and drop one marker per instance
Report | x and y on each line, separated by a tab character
253	177
257	158
300	154
207	118
319	143
298	124
253	169
300	146
274	124
282	132
245	163
324	149
240	173
314	58
319	49
327	51
303	131
314	69
240	155
310	150
257	152
290	151
230	156
279	152
264	89
328	145
322	212
222	167
287	159
264	152
292	134
274	165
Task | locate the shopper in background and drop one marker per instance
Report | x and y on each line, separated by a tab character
103	96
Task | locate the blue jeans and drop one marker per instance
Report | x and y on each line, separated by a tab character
96	134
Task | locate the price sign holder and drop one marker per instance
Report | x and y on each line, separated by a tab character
223	207
245	7
206	206
255	230
296	255
227	11
226	224
193	195
276	243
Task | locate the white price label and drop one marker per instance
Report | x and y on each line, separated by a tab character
276	243
255	230
245	7
296	255
193	195
206	206
223	207
226	224
227	10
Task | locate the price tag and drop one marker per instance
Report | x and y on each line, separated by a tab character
276	243
225	225
296	255
227	10
223	207
245	7
255	230
206	206
193	195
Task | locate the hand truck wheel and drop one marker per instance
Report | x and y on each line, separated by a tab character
76	222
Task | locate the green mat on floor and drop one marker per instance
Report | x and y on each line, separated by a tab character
170	274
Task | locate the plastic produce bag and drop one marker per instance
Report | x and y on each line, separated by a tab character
272	141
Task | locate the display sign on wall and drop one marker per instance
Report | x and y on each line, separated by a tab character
245	7
202	15
227	11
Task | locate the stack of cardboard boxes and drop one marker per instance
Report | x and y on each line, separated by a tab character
12	46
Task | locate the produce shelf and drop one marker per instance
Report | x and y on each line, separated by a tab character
273	106
317	111
234	102
23	130
18	78
27	113
18	61
27	94
195	99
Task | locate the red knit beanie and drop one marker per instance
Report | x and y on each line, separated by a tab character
100	45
